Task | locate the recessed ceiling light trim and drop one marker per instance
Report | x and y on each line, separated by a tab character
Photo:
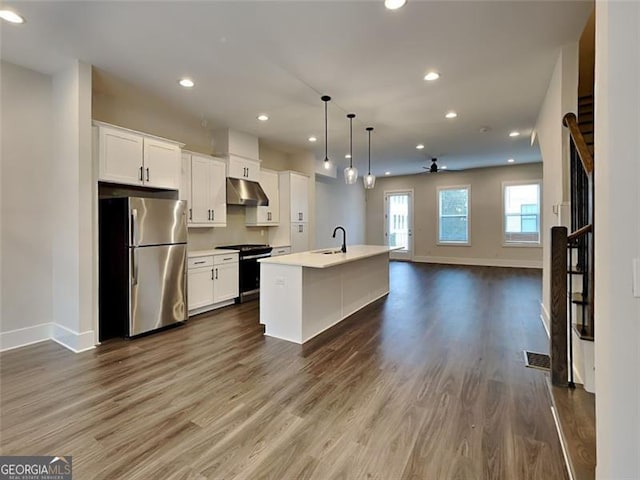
431	76
313	139
515	133
387	173
511	160
419	146
186	83
451	114
263	117
11	16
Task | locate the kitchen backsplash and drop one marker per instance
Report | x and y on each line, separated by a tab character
236	232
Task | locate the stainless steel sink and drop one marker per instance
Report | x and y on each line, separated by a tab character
328	251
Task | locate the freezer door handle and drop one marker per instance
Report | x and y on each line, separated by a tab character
134	227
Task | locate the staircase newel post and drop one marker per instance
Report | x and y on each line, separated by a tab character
559	330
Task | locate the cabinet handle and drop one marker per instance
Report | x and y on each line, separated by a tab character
216	273
190	214
300	216
198	263
228	258
213	214
212	274
147	174
208	214
300	228
141	173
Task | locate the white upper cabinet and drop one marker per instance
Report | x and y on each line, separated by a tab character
245	168
206	190
293	228
269	215
299	197
133	158
161	164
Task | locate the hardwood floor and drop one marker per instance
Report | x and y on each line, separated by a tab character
427	383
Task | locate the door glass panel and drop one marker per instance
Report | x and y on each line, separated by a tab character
398	221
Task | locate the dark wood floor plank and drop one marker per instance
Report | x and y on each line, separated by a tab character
427	383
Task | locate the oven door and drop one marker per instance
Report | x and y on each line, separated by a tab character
250	275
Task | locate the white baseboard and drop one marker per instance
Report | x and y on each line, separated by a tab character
22	337
546	320
483	262
74	341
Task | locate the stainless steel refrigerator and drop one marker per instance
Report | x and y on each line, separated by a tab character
143	265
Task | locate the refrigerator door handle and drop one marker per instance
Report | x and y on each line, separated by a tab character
134	268
134	227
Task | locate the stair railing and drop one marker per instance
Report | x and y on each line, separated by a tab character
571	254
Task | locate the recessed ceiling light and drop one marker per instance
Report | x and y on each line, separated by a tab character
394	4
420	146
11	17
514	134
347	156
451	114
186	82
431	76
511	160
444	167
312	139
263	118
387	173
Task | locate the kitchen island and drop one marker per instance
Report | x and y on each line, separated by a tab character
303	294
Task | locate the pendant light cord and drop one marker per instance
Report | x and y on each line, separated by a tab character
326	158
369	130
351	116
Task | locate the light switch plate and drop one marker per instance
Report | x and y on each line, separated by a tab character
636	277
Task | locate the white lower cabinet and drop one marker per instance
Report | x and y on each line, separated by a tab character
213	281
225	279
200	287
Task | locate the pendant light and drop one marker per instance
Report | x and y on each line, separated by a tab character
350	173
369	180
327	162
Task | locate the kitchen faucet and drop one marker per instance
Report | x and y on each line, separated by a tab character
344	238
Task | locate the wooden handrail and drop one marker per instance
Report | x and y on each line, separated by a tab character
579	233
571	122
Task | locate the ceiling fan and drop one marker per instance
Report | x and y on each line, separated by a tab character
434	168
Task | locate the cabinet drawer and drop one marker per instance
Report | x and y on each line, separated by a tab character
280	251
198	262
226	258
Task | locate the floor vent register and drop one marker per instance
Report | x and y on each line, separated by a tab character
541	361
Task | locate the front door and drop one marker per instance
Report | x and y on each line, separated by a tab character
399	223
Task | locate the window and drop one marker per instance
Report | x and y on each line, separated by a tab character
453	215
521	213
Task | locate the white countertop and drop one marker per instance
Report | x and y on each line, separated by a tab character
208	253
316	259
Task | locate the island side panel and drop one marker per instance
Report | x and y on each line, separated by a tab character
281	301
365	282
321	299
330	295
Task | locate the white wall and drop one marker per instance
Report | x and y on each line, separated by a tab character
73	204
617	239
339	204
26	224
561	98
485	215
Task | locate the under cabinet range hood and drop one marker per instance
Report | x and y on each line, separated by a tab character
245	192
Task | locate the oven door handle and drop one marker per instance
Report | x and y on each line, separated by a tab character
253	257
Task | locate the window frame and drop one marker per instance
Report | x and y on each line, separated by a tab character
450	243
521	244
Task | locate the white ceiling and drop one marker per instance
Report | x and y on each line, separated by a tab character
278	57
